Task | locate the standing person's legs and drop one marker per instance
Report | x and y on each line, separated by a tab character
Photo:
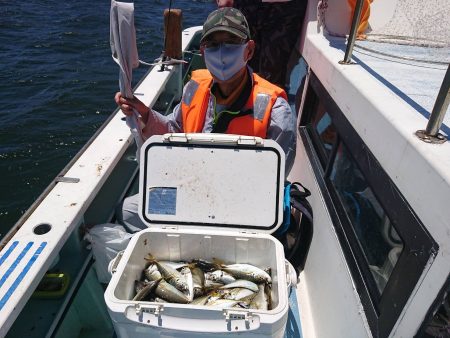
253	12
278	35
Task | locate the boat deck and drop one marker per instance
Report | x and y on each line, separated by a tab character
413	73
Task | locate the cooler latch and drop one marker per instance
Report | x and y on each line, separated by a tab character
237	315
154	309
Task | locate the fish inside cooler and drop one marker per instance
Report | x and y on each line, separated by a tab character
238	271
200	282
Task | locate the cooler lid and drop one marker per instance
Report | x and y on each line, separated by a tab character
228	182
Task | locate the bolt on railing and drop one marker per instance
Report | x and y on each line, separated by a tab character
431	133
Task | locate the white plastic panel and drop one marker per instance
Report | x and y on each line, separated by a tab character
138	318
212	184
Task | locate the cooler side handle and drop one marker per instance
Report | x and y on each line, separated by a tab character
291	275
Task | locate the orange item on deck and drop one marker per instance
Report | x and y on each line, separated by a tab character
365	14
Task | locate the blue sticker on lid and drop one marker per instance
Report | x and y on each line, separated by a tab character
162	201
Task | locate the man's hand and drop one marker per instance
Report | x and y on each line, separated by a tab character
127	106
225	3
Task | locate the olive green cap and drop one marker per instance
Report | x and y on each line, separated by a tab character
226	19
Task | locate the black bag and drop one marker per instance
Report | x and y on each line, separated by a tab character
296	232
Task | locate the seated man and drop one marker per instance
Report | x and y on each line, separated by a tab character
226	98
275	26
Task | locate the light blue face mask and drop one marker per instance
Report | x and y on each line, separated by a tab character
225	60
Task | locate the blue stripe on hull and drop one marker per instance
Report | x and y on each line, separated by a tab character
15	263
22	274
8	252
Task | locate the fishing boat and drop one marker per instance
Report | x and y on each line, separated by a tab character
379	260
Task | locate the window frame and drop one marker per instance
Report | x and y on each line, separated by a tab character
382	310
437	303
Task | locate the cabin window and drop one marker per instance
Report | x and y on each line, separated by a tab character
377	238
324	132
384	242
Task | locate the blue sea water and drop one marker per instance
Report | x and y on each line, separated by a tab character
57	81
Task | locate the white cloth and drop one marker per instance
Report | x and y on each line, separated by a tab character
107	240
122	38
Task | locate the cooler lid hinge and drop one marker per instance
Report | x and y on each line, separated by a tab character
175	137
212	138
169	227
250	140
247	232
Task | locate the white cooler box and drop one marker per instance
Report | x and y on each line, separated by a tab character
205	196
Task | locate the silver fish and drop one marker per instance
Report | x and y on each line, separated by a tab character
211	286
220	276
241	283
139	285
222	303
174	265
201	300
170	293
237	293
198	278
171	275
247	271
187	274
152	272
210	297
268	292
260	301
146	290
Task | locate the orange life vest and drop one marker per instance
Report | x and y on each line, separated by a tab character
261	100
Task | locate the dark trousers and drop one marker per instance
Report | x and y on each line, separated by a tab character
275	27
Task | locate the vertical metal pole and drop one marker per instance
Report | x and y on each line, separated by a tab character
353	33
440	106
431	133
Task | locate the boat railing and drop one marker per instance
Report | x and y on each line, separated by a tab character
353	32
431	133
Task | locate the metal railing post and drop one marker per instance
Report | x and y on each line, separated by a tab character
353	33
431	133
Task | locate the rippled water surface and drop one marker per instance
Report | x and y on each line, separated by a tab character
57	81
